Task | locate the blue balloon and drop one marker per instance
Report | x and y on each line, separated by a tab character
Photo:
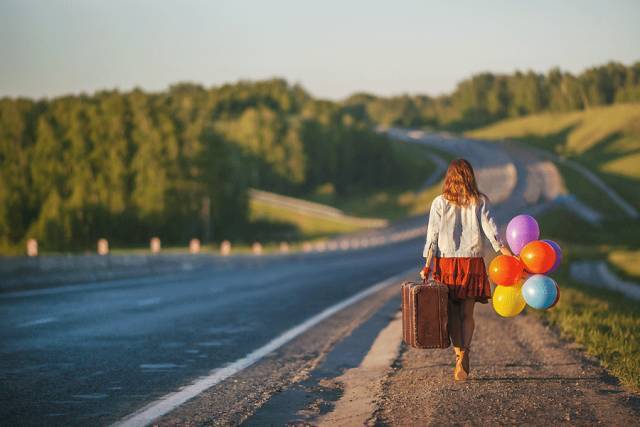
539	291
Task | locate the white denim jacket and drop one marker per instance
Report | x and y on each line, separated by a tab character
454	231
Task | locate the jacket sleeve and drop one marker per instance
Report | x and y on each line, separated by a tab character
489	226
433	228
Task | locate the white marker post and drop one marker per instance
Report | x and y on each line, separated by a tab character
256	248
32	247
155	245
103	247
225	248
194	246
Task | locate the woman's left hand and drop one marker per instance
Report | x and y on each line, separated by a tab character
506	251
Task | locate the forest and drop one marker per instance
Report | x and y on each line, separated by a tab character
487	97
178	163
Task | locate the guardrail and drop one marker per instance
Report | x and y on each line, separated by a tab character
305	206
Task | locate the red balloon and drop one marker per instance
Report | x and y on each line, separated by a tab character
538	257
505	270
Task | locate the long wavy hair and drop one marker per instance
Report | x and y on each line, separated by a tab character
460	185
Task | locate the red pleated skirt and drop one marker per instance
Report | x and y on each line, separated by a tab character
465	278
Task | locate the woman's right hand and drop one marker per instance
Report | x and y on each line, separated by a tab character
424	273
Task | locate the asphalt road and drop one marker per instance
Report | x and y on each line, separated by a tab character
91	356
94	354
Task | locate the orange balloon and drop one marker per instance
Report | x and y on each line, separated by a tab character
538	257
505	270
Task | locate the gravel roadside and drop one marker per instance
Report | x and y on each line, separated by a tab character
521	373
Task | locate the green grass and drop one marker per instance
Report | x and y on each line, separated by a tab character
605	323
626	263
604	139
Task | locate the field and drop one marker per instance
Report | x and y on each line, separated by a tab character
626	262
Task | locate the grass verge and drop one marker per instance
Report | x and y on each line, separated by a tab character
604	322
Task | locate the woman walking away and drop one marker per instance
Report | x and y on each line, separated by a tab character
457	219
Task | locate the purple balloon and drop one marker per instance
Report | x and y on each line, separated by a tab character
558	251
521	230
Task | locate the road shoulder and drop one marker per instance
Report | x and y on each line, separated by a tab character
362	386
522	373
295	381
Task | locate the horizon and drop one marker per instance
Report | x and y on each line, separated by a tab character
289	82
332	50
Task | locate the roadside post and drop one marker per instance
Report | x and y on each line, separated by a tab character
256	248
194	246
225	248
103	247
32	247
155	245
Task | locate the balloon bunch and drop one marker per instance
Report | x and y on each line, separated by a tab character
522	279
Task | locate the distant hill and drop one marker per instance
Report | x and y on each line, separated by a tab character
605	139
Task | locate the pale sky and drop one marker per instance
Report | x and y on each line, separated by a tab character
333	48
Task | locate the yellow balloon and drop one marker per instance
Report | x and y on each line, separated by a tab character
508	301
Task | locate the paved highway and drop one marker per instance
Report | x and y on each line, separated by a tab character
94	354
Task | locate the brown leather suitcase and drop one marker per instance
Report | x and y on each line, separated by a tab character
424	314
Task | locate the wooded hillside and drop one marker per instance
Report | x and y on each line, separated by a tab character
175	164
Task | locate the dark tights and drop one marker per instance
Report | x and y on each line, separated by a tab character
461	323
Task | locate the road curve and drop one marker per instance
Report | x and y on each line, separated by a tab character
96	354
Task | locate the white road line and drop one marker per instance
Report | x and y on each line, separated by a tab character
164	405
36	322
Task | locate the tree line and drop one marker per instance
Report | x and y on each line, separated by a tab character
176	164
487	97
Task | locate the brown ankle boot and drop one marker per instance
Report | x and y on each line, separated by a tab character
459	373
464	356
